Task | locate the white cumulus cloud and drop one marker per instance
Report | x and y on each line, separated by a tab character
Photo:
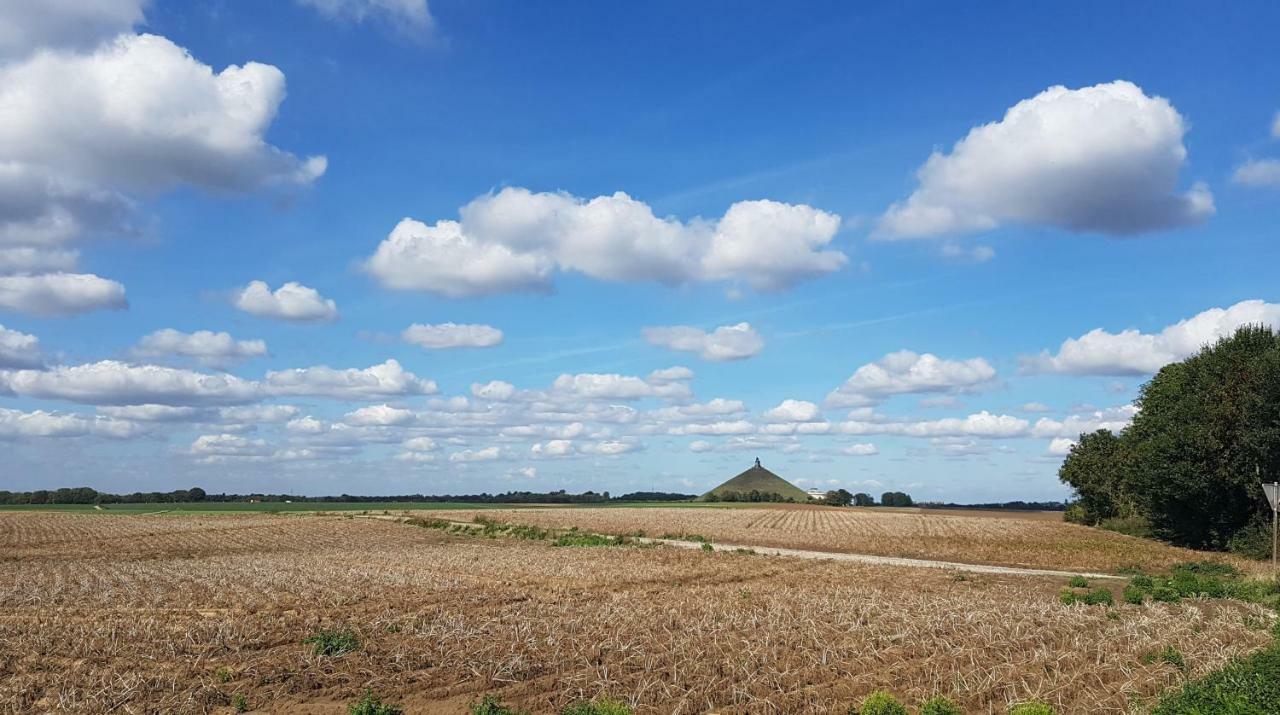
388	379
1101	159
19	350
452	335
728	342
204	346
794	411
292	302
1132	352
515	239
59	294
403	14
110	382
15	424
1258	172
905	372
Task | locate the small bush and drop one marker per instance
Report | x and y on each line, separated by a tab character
240	704
1078	582
707	546
369	705
1165	594
1254	540
879	703
1033	707
1068	597
332	644
1133	594
429	523
224	674
603	706
1098	597
939	705
491	706
1169	655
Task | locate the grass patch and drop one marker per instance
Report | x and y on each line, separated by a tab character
1249	686
1031	708
1208	579
1170	655
333	644
1095	597
370	705
879	703
603	706
1078	582
574	538
939	705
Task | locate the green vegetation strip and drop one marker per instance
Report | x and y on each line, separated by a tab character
1249	686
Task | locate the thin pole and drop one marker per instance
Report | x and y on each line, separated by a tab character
1275	515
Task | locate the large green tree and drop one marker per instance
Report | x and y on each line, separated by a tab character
1207	428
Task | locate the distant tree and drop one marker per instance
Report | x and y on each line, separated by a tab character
896	499
196	494
838	497
863	499
1095	468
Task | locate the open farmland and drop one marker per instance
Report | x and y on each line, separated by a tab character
203	613
1032	539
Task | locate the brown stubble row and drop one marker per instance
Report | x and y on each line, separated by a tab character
1033	542
447	618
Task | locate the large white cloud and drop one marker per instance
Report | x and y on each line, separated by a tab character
728	342
377	382
110	382
56	294
31	259
205	347
18	424
1103	159
292	301
379	415
1132	352
19	350
515	239
451	335
905	372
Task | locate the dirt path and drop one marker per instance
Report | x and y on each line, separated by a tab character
884	560
842	556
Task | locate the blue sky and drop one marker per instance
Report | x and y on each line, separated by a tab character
905	246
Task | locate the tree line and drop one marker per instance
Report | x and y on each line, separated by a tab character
1189	468
87	495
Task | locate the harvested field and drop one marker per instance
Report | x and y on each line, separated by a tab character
193	614
1033	540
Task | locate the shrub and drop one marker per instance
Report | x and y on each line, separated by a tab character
1068	597
939	705
1033	707
333	643
1169	655
240	704
224	674
1133	594
369	705
1127	525
603	706
879	703
1098	597
1078	582
1254	540
706	546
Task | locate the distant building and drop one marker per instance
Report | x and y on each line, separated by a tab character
816	494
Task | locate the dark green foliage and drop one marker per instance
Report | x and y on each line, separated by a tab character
706	546
753	496
879	703
1098	597
1134	595
1250	686
580	539
492	706
1254	540
370	705
1191	463
1078	582
603	706
1128	525
331	644
862	499
1031	708
939	705
838	497
896	499
1203	578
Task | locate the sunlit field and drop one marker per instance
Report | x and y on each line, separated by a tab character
202	614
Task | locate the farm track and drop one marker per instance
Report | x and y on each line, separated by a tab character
150	625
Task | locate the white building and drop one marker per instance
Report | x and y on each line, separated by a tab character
816	493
